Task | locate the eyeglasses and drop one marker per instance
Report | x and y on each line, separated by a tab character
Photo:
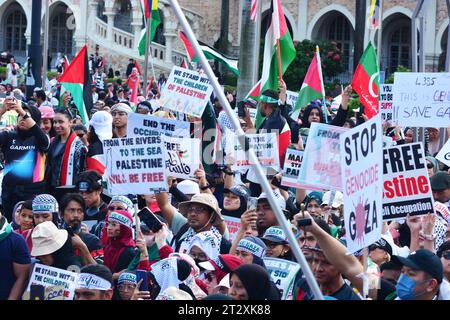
113	208
198	210
272	244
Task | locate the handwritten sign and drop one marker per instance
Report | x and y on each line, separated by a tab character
406	184
51	277
362	183
233	225
321	165
422	99
292	164
265	146
182	156
135	165
148	125
444	155
283	274
186	91
385	105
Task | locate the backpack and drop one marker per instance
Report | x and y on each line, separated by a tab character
225	245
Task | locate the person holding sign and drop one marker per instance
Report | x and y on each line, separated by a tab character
120	113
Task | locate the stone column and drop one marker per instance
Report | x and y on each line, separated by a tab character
110	14
170	37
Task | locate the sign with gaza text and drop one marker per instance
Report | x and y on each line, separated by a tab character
233	225
321	165
444	155
291	98
282	273
148	125
406	185
265	146
362	181
422	99
186	91
50	277
385	105
135	165
182	156
292	164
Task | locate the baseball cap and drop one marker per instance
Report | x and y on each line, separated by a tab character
275	234
89	181
239	190
423	260
383	245
188	187
335	197
280	200
251	102
440	181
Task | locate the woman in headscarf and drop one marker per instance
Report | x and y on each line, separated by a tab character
252	282
235	201
118	241
252	250
432	166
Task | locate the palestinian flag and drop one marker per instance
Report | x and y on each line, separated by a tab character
77	80
312	87
155	21
184	64
255	92
366	81
277	33
210	54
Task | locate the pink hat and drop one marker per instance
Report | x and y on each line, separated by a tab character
47	112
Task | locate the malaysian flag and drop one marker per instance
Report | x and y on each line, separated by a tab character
254	10
374	17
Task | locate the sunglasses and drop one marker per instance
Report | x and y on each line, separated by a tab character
429	166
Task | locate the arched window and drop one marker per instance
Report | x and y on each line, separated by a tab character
15	27
398	34
265	24
61	30
122	20
101	11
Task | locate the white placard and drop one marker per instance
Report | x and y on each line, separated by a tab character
444	155
182	156
291	170
291	98
385	104
148	125
283	274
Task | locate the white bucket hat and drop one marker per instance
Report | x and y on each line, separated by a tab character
47	238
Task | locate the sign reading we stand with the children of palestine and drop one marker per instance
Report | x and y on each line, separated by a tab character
135	165
186	91
422	99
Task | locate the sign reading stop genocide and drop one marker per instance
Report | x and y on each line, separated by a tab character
362	181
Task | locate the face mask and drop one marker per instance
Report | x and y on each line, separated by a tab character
405	287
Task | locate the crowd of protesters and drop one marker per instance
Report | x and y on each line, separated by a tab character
56	210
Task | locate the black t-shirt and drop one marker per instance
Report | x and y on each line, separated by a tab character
345	293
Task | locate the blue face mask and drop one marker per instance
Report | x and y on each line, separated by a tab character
405	287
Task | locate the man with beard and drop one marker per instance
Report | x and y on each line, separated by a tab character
72	207
120	113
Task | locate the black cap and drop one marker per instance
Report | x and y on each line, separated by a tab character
423	260
239	190
440	181
383	245
89	181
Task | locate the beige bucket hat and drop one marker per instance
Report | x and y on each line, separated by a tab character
208	200
47	238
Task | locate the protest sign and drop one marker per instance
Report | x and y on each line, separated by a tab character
233	224
50	276
443	210
422	99
283	274
54	293
292	163
182	156
252	112
186	91
405	182
385	105
265	146
148	125
135	165
291	98
362	183
321	165
444	155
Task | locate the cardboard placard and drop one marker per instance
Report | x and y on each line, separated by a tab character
51	277
405	182
265	146
422	99
444	155
182	156
385	105
291	98
186	91
283	274
321	165
362	182
291	170
135	165
147	125
233	224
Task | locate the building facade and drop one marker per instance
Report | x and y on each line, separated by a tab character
113	27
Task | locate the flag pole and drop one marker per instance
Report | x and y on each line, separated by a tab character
45	50
324	100
280	71
147	47
242	140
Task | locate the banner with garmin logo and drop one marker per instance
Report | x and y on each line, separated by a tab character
148	125
406	186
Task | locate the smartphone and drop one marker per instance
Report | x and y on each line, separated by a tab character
37	292
251	203
142	274
304	222
241	109
152	222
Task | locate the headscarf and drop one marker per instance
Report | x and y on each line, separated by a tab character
257	283
115	246
434	162
309	108
256	247
224	264
125	201
207	242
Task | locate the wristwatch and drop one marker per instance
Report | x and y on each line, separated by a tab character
205	187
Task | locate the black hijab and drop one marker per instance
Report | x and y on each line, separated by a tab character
257	282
